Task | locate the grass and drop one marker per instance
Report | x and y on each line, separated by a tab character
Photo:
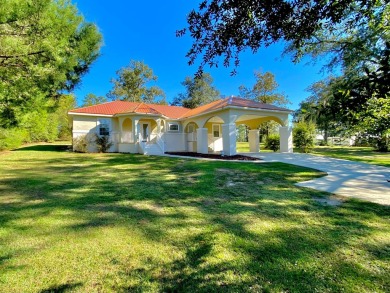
243	147
360	154
120	223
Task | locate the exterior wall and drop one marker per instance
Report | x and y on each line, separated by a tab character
175	142
83	124
128	148
89	126
214	143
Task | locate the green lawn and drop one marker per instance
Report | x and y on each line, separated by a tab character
243	147
119	223
360	154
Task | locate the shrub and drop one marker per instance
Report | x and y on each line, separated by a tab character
382	144
103	143
303	136
272	142
80	144
12	138
40	125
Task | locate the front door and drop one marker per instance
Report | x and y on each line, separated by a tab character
145	131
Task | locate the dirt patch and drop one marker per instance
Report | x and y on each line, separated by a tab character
214	156
330	201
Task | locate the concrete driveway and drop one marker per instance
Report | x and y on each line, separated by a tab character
345	178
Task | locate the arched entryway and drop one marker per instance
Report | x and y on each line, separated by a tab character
147	130
127	131
214	134
251	126
190	130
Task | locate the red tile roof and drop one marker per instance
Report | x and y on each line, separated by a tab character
171	111
174	112
232	101
110	108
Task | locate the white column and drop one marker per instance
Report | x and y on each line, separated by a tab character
202	141
286	139
135	129
120	121
229	139
253	137
158	125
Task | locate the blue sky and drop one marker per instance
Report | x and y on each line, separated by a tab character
145	31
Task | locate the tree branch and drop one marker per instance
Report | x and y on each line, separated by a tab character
23	55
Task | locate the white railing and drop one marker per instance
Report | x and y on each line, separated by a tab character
160	142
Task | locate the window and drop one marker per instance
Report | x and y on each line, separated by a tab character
216	130
173	127
104	127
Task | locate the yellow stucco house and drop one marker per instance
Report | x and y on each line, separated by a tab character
155	129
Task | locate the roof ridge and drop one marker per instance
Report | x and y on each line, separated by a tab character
149	105
94	105
139	105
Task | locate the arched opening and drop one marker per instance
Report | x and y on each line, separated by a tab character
252	131
214	134
162	126
242	135
148	130
127	131
191	137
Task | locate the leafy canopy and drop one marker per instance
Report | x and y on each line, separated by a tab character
226	28
316	109
132	84
265	90
45	49
199	91
92	99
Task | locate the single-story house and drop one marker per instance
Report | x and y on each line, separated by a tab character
155	129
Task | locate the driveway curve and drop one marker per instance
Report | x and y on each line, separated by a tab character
345	178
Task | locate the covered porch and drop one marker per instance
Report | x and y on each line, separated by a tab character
141	134
216	132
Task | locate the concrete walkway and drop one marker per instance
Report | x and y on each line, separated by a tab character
345	178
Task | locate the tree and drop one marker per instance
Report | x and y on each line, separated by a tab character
264	90
199	91
132	84
352	34
61	108
226	28
364	106
46	47
92	99
316	108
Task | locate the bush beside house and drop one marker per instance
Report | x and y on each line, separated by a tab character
304	136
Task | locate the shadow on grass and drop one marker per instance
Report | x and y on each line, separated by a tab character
68	287
45	148
227	251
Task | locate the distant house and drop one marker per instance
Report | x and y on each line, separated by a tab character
155	129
